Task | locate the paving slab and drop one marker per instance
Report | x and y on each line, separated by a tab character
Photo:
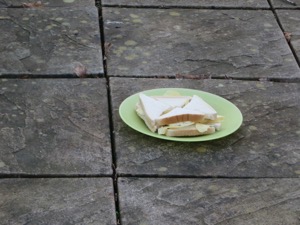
188	3
49	3
56	127
286	4
57	201
214	43
290	20
210	201
266	145
50	42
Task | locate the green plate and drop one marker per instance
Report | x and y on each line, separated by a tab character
233	116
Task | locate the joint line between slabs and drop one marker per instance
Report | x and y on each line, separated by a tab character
197	177
16	175
114	157
183	7
270	79
110	114
283	31
102	36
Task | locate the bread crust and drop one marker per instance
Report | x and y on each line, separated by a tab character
140	112
157	97
196	118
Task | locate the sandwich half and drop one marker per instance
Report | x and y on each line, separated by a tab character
199	105
149	109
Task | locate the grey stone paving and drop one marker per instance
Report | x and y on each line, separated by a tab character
209	201
285	4
234	43
49	42
47	3
57	201
190	3
266	145
290	20
58	162
55	126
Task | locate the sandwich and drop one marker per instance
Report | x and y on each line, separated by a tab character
178	115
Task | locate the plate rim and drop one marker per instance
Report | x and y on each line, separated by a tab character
179	139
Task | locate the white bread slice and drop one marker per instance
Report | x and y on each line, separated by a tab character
178	115
151	110
173	101
188	131
198	104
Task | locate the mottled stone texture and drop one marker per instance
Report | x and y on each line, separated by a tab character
54	127
59	163
290	20
57	201
234	43
49	42
209	201
266	145
188	3
285	3
48	3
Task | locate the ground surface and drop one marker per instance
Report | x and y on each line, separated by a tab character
66	157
